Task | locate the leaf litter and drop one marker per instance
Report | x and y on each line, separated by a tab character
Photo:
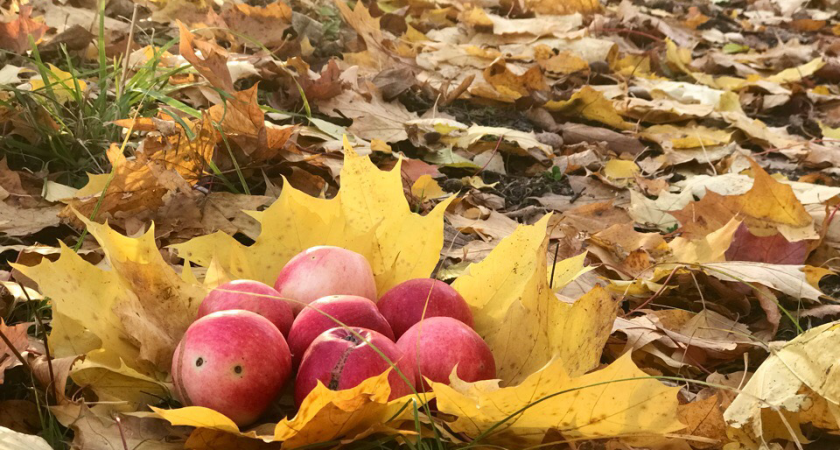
637	200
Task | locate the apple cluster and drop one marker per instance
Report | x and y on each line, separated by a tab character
322	321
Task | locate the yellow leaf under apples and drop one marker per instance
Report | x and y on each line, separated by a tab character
83	297
370	215
519	317
126	319
324	415
607	402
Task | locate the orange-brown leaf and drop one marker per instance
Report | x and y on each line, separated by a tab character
14	35
212	64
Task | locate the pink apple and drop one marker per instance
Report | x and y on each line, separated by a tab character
321	271
235	362
350	310
410	301
436	345
341	360
251	296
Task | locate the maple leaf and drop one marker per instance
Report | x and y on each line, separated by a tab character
324	415
13	440
370	215
212	64
787	384
592	105
263	24
62	84
768	206
126	320
608	402
135	187
20	341
519	317
14	35
244	122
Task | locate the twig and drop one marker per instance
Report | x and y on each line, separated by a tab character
128	51
655	294
46	346
119	426
498	143
554	265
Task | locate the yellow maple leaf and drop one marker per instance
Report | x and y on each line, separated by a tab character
615	401
426	187
129	317
785	387
519	317
710	248
324	415
370	215
590	104
690	136
770	200
61	83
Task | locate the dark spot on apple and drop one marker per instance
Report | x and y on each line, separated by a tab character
199	362
237	370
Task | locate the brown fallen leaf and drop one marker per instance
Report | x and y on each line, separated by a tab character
767	208
242	120
263	24
20	415
374	119
494	227
136	190
94	432
16	334
704	418
212	64
617	142
224	211
14	35
53	374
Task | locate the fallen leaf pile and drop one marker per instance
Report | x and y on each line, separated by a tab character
637	200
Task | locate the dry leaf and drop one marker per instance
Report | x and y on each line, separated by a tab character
20	341
212	64
14	35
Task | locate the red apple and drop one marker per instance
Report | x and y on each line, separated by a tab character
436	345
235	362
409	302
350	310
341	360
251	296
321	271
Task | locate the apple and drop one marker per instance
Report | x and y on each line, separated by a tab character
251	296
434	346
321	271
350	310
341	360
410	301
234	362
